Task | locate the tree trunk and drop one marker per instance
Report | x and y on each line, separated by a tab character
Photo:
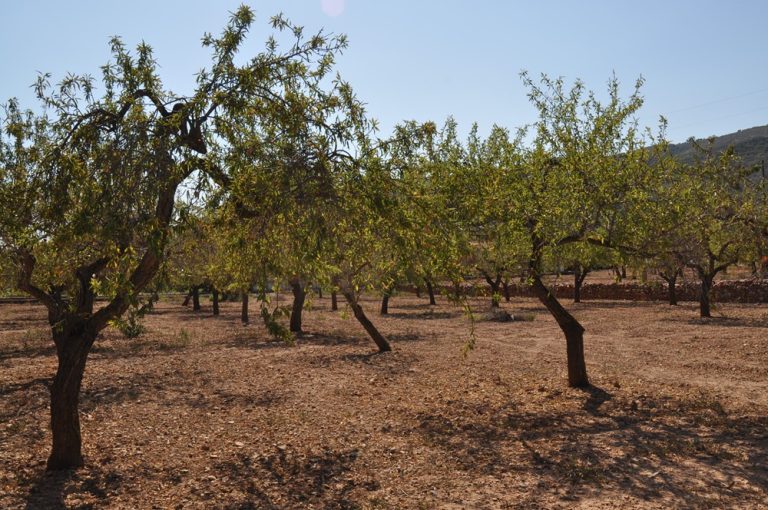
334	301
671	287
72	346
186	299
418	291
320	293
244	309
374	333
495	295
215	294
574	334
579	274
704	298
384	304
385	300
196	298
298	305
430	291
457	290
505	286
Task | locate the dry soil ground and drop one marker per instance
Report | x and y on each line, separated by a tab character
201	412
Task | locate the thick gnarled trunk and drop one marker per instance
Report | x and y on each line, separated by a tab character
73	343
573	330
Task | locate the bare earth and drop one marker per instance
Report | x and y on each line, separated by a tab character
201	412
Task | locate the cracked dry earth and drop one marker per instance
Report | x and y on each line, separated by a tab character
202	412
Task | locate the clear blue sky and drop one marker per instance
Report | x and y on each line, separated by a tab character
704	61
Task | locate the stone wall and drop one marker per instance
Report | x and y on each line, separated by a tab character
726	291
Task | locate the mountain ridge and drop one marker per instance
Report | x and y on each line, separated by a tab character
750	144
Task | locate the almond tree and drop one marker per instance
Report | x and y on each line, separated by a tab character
587	161
714	200
90	183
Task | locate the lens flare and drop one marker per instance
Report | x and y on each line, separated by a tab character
332	8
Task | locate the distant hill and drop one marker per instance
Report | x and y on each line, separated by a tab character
750	144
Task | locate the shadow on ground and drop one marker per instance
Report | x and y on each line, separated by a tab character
49	490
290	478
646	448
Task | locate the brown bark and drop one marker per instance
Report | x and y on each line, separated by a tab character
430	291
495	295
244	309
579	274
215	294
573	330
384	310
196	298
187	298
74	331
299	295
704	298
334	301
505	287
370	328
671	286
73	339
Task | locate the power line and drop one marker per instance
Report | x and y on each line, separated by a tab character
723	117
716	101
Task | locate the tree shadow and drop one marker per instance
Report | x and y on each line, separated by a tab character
424	315
326	338
23	322
405	337
363	358
49	489
719	320
108	392
730	322
21	399
425	306
596	397
27	352
648	448
587	304
266	398
7	389
290	478
142	347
